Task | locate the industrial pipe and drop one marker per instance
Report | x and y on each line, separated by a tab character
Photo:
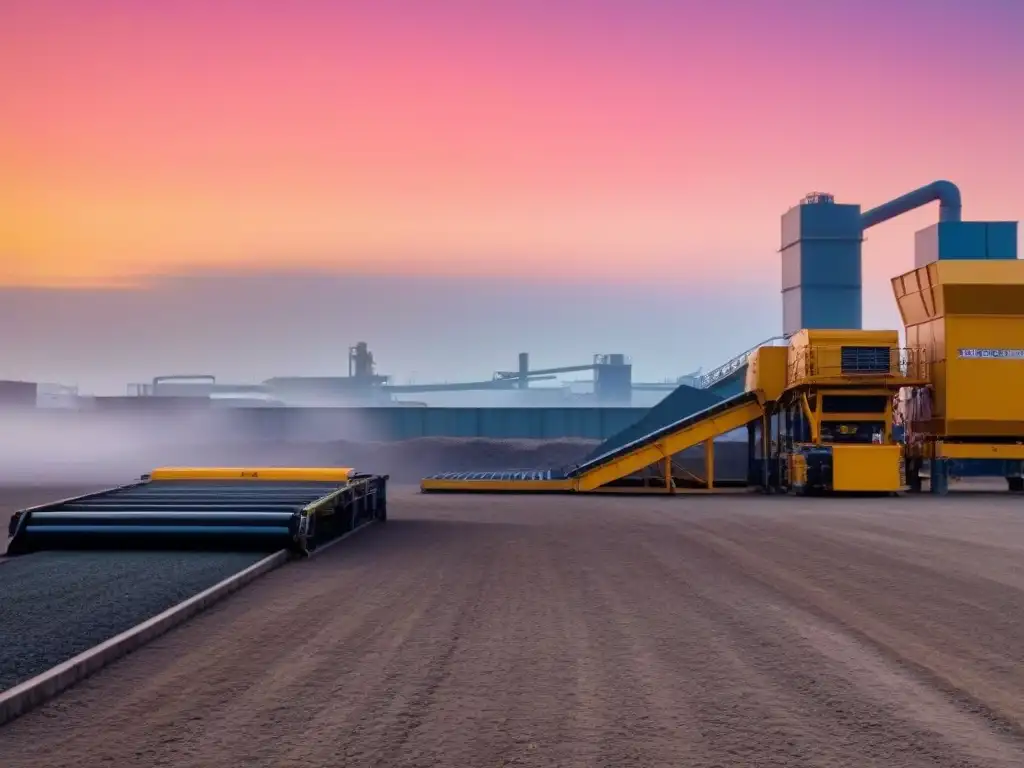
946	192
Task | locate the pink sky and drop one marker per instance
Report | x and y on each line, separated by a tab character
608	141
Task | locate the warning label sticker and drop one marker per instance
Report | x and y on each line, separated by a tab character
991	354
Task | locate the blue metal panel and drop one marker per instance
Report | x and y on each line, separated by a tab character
614	420
586	423
822	241
387	423
831	264
1002	239
827	220
962	239
831	307
450	422
392	423
505	423
558	421
984	468
965	240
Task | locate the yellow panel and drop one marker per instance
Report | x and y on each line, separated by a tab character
984	389
816	359
1003	451
495	486
915	296
855	337
972	323
797	469
766	372
866	468
688	436
278	474
983	272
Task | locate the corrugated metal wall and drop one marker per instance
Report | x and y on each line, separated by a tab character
407	423
353	424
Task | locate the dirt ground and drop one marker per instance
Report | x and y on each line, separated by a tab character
569	631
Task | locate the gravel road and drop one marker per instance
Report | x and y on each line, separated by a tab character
567	631
90	596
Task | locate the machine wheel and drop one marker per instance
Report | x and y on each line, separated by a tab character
1016	484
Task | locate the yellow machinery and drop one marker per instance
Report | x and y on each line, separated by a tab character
830	428
821	412
819	415
969	317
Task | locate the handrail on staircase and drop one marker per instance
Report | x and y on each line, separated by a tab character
726	369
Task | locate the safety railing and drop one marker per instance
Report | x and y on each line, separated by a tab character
852	362
727	369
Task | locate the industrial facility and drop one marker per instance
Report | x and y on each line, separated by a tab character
611	383
821	412
832	408
826	407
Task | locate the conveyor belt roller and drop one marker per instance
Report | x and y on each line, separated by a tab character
231	509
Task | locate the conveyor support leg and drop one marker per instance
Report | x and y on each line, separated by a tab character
940	477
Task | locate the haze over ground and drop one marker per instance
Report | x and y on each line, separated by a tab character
247	189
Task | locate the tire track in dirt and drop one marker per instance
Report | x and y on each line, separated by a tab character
645	720
876	615
854	695
742	668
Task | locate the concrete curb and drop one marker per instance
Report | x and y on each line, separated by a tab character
21	698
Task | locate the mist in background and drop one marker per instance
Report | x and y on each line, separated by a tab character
88	449
250	327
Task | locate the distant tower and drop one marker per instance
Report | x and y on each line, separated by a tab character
613	379
360	361
524	370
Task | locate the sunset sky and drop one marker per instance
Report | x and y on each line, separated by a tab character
456	181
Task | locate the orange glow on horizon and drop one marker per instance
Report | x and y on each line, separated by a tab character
471	141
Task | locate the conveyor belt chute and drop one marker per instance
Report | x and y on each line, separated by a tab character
720	418
619	463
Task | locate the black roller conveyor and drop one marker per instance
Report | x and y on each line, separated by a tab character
233	515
